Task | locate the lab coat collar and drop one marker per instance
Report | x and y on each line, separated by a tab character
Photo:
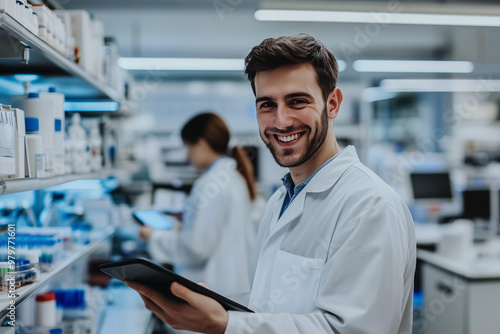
328	175
322	181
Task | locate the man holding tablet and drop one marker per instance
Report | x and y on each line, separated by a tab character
335	251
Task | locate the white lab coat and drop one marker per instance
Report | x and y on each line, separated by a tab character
341	259
217	234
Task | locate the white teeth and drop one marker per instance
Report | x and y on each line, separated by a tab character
288	138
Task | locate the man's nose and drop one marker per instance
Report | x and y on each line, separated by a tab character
283	118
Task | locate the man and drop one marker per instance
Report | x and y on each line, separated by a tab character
336	247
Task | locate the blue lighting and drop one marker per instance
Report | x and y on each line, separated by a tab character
26	77
91	106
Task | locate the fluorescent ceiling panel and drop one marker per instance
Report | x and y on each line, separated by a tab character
373	94
479	86
375	17
342	65
181	64
189	64
413	66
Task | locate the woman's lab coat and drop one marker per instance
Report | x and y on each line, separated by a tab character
341	258
217	234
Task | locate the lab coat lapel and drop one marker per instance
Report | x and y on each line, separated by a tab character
329	175
293	211
322	181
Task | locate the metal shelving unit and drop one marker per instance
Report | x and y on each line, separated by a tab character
27	291
43	58
22	52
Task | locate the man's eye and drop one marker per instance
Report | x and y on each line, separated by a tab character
266	105
298	103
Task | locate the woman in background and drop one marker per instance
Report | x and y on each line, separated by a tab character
214	244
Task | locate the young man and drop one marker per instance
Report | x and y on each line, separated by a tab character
336	248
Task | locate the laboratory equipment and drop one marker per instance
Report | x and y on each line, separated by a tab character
35	156
431	186
46	315
39	107
476	204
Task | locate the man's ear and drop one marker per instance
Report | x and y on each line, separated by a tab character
333	102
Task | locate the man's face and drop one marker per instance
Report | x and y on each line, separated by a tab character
291	112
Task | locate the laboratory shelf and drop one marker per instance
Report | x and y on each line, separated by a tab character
67	76
11	186
27	291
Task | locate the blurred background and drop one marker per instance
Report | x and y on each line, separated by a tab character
421	84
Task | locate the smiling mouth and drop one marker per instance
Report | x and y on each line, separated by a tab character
287	139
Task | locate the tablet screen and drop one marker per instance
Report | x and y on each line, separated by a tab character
154	219
159	278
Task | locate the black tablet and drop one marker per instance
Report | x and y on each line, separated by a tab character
153	218
148	273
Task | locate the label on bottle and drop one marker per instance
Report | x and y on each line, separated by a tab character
40	165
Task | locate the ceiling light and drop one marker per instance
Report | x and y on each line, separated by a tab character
441	85
342	65
189	64
182	64
373	94
413	66
375	17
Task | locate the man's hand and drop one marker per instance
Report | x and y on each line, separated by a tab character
145	232
198	314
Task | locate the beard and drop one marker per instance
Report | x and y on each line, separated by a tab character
310	148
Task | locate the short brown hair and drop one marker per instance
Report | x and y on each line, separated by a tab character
287	50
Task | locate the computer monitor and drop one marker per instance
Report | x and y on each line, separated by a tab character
431	186
476	204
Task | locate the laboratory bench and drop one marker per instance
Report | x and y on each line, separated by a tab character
460	297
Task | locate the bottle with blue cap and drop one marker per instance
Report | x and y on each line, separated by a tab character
35	156
40	108
56	101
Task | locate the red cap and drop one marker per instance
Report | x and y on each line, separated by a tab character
46	297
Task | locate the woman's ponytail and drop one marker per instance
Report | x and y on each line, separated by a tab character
246	169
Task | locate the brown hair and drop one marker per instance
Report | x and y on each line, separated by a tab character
287	50
214	130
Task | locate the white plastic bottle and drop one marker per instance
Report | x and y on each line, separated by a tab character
35	157
109	146
79	146
40	108
46	309
68	149
57	108
95	149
